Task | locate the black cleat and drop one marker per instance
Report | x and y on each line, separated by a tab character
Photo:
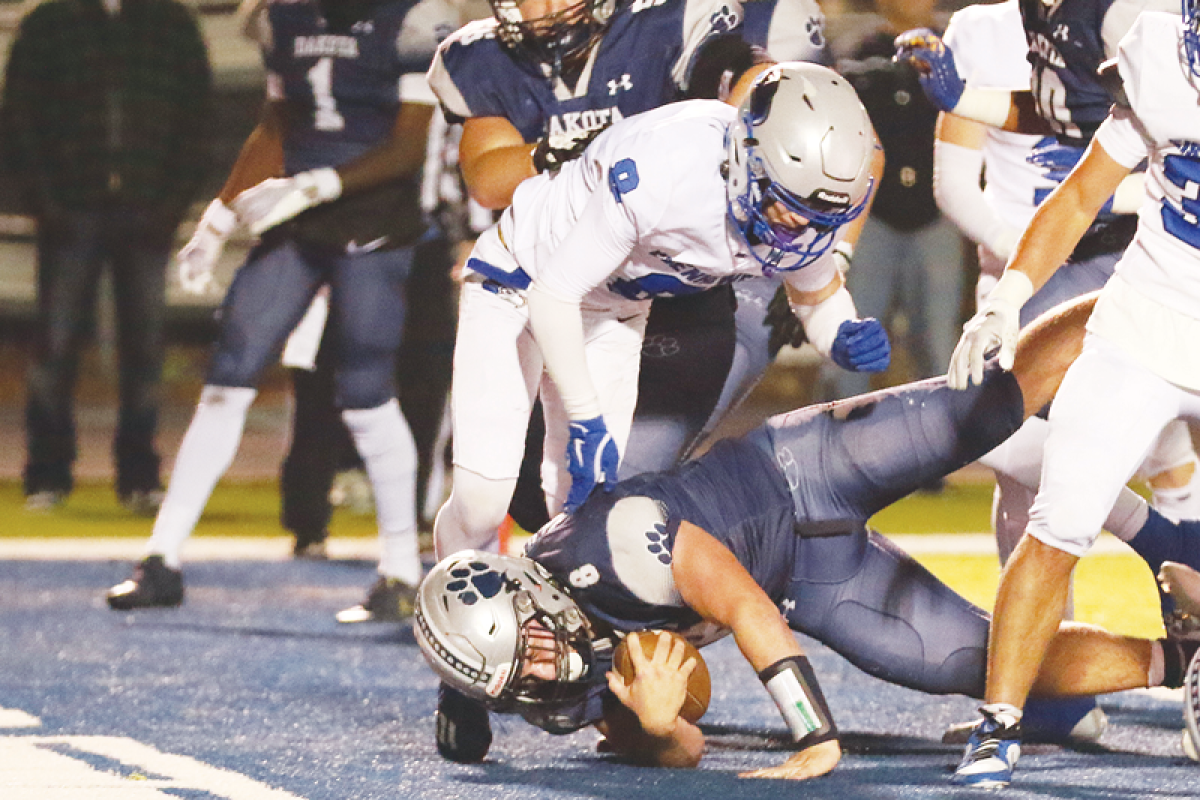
464	732
388	600
153	585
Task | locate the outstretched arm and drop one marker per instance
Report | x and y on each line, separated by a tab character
716	586
1056	228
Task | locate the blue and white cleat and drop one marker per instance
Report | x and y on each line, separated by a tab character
992	750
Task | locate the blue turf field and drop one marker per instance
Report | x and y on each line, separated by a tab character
253	676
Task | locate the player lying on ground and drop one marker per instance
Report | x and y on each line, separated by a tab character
770	522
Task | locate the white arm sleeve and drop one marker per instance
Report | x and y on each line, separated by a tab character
821	321
956	171
557	326
596	245
989	106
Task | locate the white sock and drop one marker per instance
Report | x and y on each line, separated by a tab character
385	443
205	453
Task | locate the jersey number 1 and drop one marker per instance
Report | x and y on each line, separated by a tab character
320	78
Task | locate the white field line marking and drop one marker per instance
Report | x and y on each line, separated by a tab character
30	769
12	718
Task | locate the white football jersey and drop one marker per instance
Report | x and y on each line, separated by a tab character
1155	295
988	42
642	213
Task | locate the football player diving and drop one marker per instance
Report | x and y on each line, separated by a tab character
761	536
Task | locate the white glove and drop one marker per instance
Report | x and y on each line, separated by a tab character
276	200
997	323
198	257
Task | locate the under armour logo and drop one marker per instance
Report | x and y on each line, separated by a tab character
625	83
1061	32
788	606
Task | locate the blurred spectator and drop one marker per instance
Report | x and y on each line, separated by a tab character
908	260
104	110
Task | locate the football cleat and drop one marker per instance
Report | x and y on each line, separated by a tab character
1062	720
388	600
992	749
153	585
464	732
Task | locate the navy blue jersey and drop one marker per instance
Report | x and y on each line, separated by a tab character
615	552
1066	47
790	30
344	89
790	501
640	64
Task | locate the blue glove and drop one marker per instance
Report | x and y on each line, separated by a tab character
935	66
591	458
861	346
1056	160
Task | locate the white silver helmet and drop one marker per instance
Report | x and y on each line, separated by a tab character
802	139
473	616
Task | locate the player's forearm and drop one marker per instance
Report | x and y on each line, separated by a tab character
492	178
761	633
557	327
261	157
822	312
1055	229
398	158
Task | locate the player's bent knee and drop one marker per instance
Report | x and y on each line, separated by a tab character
473	514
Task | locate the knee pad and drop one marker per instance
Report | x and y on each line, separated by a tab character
472	516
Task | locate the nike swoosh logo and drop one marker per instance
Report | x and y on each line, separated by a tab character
354	247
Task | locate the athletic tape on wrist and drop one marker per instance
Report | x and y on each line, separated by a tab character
793	686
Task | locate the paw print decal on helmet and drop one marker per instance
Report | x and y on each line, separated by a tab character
474	580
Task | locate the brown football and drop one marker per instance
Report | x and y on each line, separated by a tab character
699	690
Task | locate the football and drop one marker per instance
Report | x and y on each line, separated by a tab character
699	690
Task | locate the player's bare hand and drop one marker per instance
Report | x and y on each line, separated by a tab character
659	685
811	762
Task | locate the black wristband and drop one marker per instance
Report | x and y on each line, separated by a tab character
793	686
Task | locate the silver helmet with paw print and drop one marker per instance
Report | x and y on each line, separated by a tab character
481	621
